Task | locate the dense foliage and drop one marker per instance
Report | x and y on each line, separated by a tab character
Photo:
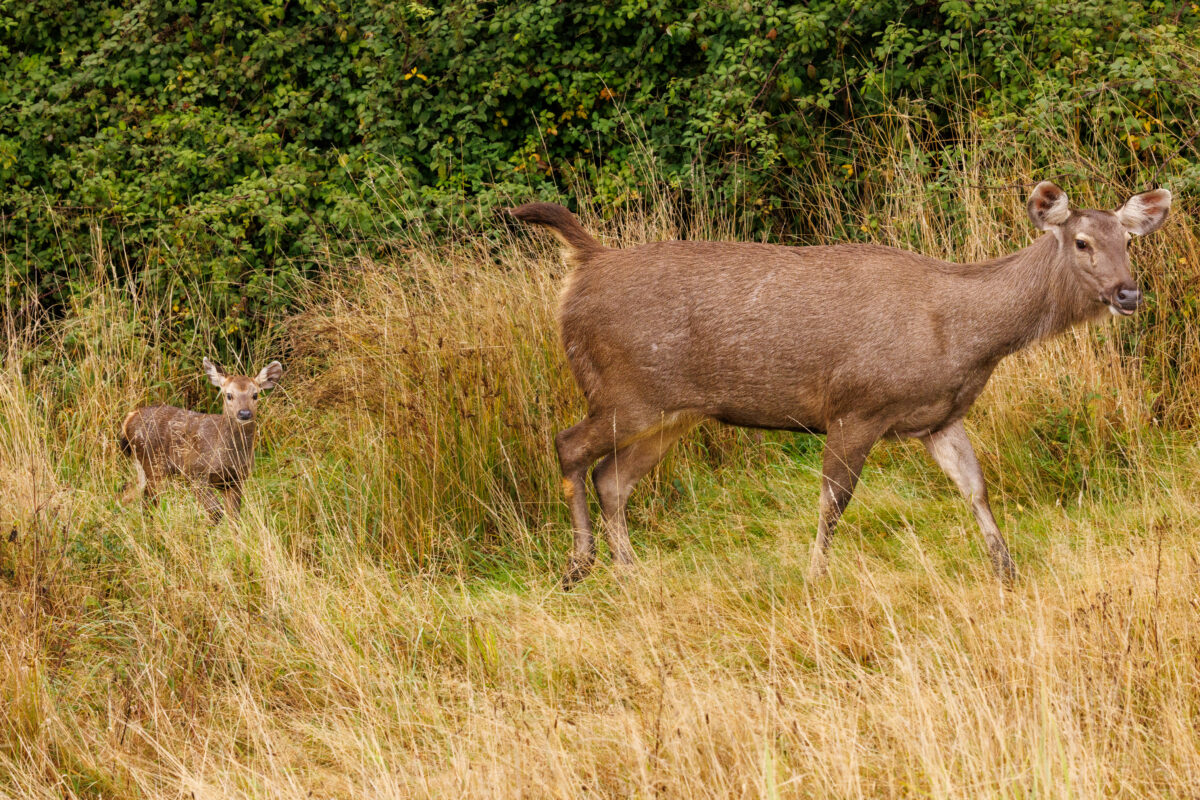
224	144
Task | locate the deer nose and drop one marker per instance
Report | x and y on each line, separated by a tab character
245	413
1129	297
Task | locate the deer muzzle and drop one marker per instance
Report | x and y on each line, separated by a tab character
1124	300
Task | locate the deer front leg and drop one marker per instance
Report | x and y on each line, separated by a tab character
211	502
232	495
847	445
952	451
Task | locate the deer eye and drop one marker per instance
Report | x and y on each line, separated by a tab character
254	396
229	395
1081	244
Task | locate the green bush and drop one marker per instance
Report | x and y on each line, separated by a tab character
218	151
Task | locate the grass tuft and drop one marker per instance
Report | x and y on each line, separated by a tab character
383	620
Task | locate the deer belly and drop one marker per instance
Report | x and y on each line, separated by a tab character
931	414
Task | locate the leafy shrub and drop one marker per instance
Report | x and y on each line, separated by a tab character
215	149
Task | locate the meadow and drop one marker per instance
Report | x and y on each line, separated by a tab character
384	619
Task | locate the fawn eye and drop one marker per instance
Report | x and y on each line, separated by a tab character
229	395
1081	244
254	396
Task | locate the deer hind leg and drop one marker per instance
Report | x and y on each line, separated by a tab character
578	448
150	490
846	448
619	472
144	485
136	487
952	451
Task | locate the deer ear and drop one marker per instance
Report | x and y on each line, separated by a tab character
215	374
270	375
1047	206
1144	213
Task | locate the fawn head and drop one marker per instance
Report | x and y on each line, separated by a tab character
240	392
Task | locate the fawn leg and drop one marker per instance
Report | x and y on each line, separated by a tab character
211	502
135	488
232	496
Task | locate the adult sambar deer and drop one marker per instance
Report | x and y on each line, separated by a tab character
857	342
214	452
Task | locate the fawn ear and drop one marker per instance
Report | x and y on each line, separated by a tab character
215	374
270	375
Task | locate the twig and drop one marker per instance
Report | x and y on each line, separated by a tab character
1006	187
1158	530
1167	160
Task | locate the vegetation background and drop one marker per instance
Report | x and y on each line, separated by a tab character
319	183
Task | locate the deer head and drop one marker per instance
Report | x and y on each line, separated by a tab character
1096	243
240	392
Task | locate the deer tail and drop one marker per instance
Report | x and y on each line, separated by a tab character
123	440
563	224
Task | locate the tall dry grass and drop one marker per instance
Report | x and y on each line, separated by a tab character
383	619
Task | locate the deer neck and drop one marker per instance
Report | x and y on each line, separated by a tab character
239	438
1031	295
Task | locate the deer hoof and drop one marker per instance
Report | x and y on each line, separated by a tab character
1006	570
818	567
576	571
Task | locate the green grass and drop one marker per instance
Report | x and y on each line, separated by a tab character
384	619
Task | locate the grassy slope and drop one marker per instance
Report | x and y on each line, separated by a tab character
383	620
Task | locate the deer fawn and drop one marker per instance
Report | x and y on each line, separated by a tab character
213	451
858	342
